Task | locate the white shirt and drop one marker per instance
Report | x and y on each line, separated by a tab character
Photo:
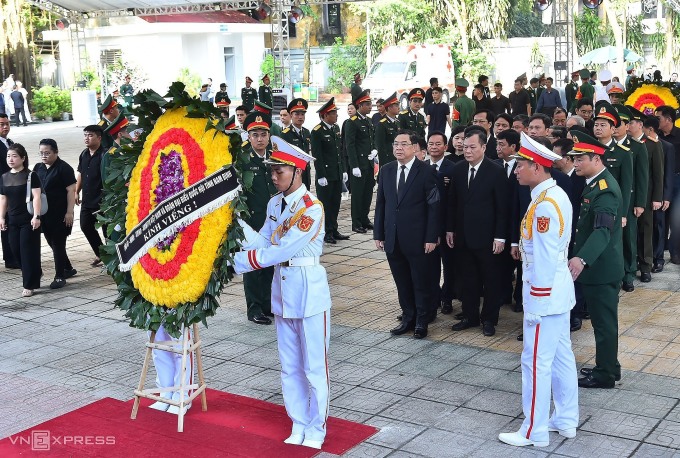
590	180
438	163
470	167
4	140
408	165
571	172
510	164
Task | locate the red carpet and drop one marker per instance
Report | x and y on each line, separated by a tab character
233	426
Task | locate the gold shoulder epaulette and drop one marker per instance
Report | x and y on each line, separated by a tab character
624	147
354	118
244	143
112	149
317	127
383	120
286	130
101	123
403	112
602	184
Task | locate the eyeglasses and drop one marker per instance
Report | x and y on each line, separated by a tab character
588	112
401	144
45	153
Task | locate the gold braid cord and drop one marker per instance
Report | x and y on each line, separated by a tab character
527	222
292	221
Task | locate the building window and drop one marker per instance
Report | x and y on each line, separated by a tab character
331	19
111	56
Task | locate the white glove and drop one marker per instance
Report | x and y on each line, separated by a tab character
344	177
323	182
356	172
374	153
532	319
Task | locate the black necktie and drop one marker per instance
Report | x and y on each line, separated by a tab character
506	169
402	180
472	176
283	205
434	166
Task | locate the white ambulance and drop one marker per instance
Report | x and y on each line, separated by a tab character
402	68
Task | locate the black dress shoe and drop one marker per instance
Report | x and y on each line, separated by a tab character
463	325
58	283
420	332
575	324
447	309
517	308
488	329
675	259
403	328
591	382
12	266
269	314
588	371
459	316
628	287
369	226
520	337
329	239
68	273
399	317
658	267
645	277
260	319
339	236
359	229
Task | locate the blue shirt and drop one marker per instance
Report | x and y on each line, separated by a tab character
549	99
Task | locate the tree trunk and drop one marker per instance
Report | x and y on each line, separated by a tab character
617	68
16	54
306	68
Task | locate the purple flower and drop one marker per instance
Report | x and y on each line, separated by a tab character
171	181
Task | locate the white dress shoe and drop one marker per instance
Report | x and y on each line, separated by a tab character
295	439
175	409
569	433
312	444
518	440
158	405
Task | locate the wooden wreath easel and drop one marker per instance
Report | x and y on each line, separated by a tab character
154	393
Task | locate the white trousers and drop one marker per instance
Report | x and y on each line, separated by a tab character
548	365
303	351
169	365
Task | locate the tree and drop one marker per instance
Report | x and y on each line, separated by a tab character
14	50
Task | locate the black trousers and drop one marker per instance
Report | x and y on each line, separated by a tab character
7	254
481	271
56	239
88	221
257	286
659	236
17	112
412	277
330	196
25	243
443	258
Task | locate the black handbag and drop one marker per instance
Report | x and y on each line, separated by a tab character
29	198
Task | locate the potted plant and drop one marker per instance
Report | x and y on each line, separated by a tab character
46	103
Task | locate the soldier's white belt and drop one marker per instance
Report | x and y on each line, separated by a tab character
301	262
529	258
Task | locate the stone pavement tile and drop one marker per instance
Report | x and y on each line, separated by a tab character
256	338
672	350
405	344
15	366
655	451
7	321
640	404
395	382
664	366
596	446
363	337
496	359
79	362
239	390
351	318
662	318
365	400
116	371
674	415
345	414
267	380
355	281
338	389
418	411
625	425
667	434
60	317
452	352
499	402
661	385
393	433
44	355
425	365
634	361
596	398
474	375
642	345
343	351
65	302
333	258
229	372
436	443
483	425
353	374
652	332
376	357
28	312
400	454
455	394
227	350
367	450
12	347
260	357
338	330
496	448
343	268
511	382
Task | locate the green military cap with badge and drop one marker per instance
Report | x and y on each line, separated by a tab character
585	144
635	114
462	84
327	107
365	96
584	74
297	105
117	125
108	104
391	100
256	120
624	112
605	110
262	108
230	124
416	93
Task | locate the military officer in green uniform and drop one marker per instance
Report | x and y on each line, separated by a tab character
638	200
222	100
109	112
258	284
265	93
534	93
586	90
464	108
262	107
330	173
127	91
360	146
386	130
298	135
645	250
570	91
598	257
355	89
412	119
248	95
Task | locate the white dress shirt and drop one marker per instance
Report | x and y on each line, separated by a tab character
408	165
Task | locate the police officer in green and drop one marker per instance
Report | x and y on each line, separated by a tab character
386	130
360	146
598	258
265	93
258	284
248	95
570	91
330	173
355	89
298	135
638	200
586	90
464	108
412	119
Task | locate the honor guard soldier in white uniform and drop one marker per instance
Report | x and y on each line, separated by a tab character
292	241
548	363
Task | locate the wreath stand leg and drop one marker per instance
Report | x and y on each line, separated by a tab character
154	393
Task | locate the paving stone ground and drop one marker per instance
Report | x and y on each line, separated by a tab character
446	396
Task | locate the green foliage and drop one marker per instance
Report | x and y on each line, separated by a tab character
588	30
91	80
526	24
192	81
50	101
268	67
344	62
472	64
141	313
116	73
658	41
635	33
536	57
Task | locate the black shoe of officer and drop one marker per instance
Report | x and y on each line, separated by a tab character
658	267
260	319
339	236
358	229
575	324
447	309
328	238
628	287
645	277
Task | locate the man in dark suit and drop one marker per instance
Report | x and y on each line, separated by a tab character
485	119
407	228
477	224
443	255
5	143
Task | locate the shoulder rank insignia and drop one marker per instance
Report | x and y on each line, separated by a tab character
403	112
112	149
305	223
624	147
354	118
308	201
317	127
244	143
602	184
286	130
542	224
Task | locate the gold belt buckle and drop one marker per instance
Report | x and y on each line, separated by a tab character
285	264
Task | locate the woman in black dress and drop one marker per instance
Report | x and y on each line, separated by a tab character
59	182
24	229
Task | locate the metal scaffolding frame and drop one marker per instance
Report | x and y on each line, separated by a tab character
563	23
